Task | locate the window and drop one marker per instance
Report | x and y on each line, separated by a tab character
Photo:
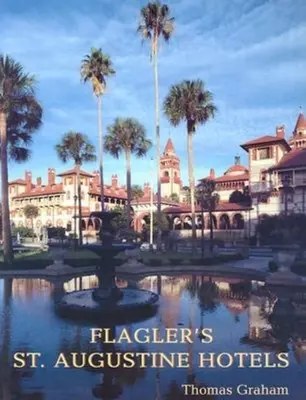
68	195
166	173
264	153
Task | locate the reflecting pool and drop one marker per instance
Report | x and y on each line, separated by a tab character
244	316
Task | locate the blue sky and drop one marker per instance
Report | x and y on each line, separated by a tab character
250	53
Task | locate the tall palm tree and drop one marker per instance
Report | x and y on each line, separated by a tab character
156	23
209	200
190	102
77	147
95	68
20	117
127	136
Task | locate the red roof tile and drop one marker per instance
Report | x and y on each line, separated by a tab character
265	140
41	191
73	172
169	148
300	123
118	193
147	200
18	181
236	168
232	178
293	159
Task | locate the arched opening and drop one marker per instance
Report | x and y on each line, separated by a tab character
166	173
97	224
200	222
69	227
187	222
83	225
238	221
177	223
224	222
90	225
214	220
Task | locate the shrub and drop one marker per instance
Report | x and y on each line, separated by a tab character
273	267
23	231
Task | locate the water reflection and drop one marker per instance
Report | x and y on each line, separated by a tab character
243	314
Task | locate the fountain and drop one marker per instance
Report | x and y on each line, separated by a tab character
107	300
284	276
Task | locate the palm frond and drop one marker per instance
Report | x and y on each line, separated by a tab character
127	134
18	101
77	147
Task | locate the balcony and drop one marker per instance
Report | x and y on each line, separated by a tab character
291	181
261	186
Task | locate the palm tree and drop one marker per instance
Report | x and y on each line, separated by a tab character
31	212
96	67
209	200
20	117
137	192
127	136
156	23
77	147
189	101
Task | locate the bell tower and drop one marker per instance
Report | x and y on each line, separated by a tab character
298	138
170	171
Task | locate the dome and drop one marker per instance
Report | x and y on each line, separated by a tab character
236	169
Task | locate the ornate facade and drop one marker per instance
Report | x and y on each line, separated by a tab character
57	201
275	178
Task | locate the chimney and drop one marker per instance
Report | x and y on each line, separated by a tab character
51	176
280	131
28	179
146	190
212	173
114	181
38	181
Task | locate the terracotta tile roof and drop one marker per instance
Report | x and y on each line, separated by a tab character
119	193
265	140
41	191
73	172
18	181
147	200
232	178
223	206
236	168
300	123
169	148
293	159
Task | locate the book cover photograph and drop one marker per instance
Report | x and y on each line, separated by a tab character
152	200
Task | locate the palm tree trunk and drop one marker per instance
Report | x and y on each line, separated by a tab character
128	186
99	104
32	225
6	226
191	184
157	127
79	203
211	231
